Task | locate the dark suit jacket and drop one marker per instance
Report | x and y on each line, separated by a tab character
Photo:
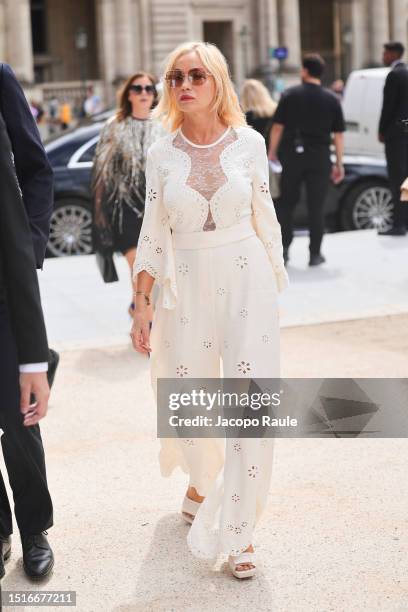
18	275
33	169
395	103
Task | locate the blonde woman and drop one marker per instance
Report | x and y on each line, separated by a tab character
211	239
258	106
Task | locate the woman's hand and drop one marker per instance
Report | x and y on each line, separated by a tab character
140	332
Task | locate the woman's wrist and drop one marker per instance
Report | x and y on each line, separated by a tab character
140	297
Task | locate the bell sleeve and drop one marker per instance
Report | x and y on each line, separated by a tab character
155	247
264	216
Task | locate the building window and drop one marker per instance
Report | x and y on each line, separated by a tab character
38	26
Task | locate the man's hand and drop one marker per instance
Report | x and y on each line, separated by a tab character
34	383
337	173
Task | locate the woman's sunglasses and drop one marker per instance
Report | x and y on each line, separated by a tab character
138	89
196	76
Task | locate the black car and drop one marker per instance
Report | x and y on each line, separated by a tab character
361	201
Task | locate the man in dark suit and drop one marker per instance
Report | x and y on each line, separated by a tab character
23	342
33	170
392	134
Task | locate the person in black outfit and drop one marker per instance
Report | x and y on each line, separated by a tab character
392	134
306	117
25	210
258	106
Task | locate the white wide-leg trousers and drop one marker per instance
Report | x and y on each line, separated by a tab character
226	322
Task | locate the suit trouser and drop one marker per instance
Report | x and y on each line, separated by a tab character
314	171
22	449
396	153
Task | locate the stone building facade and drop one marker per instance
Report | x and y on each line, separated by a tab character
55	42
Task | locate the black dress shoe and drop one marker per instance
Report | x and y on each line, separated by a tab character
394	231
5	547
38	558
5	552
316	259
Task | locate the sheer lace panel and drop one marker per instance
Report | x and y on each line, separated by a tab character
206	175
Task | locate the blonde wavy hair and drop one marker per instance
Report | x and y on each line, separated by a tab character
255	97
225	103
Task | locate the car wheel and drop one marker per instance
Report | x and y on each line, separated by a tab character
71	228
367	206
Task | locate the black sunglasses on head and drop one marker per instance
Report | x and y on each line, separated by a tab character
149	89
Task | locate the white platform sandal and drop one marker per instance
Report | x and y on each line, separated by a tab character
189	509
244	557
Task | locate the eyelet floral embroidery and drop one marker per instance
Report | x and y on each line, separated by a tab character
152	194
264	187
244	367
184	320
237	529
183	268
235	497
253	471
241	261
207	344
188	442
265	338
221	291
237	447
243	313
159	250
181	371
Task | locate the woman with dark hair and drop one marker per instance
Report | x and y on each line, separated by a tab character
119	166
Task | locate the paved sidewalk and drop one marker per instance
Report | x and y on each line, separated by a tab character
365	276
334	536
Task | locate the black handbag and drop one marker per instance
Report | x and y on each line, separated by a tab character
107	267
103	245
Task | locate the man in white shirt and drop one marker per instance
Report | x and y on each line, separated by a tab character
24	389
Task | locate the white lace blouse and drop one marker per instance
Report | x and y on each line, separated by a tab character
195	188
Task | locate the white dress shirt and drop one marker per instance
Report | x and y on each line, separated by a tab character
33	367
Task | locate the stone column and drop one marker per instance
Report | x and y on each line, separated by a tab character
145	29
379	28
105	16
360	50
398	20
125	31
272	18
19	44
290	31
3	31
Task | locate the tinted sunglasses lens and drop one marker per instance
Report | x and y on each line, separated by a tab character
136	88
175	78
150	89
198	77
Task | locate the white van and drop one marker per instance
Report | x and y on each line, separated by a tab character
362	102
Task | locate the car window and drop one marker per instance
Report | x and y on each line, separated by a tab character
60	156
88	155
